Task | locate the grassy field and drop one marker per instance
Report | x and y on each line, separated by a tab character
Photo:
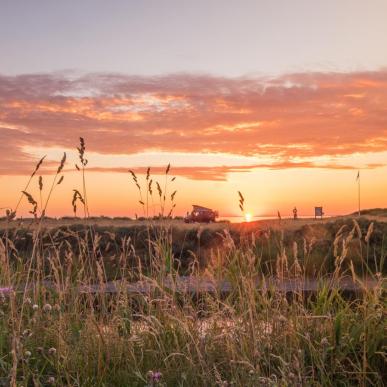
166	338
57	335
201	245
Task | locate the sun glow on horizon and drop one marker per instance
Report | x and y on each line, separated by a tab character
248	217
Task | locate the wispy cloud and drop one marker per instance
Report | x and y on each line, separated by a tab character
219	173
290	119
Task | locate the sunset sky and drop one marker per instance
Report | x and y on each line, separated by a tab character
282	100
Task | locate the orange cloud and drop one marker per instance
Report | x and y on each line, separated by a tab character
294	116
219	173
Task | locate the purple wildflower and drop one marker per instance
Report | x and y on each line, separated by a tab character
154	377
157	376
6	289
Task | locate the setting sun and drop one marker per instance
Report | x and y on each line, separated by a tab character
248	217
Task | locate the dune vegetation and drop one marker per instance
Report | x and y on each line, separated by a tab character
60	324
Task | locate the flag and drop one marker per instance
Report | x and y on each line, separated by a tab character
358	175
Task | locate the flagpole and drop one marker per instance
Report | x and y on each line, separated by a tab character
358	188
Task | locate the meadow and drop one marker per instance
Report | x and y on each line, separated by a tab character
52	332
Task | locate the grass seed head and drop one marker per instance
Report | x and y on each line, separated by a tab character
38	166
369	232
62	163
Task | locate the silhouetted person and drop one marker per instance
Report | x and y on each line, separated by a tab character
295	216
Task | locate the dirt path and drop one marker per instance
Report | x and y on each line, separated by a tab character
200	285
